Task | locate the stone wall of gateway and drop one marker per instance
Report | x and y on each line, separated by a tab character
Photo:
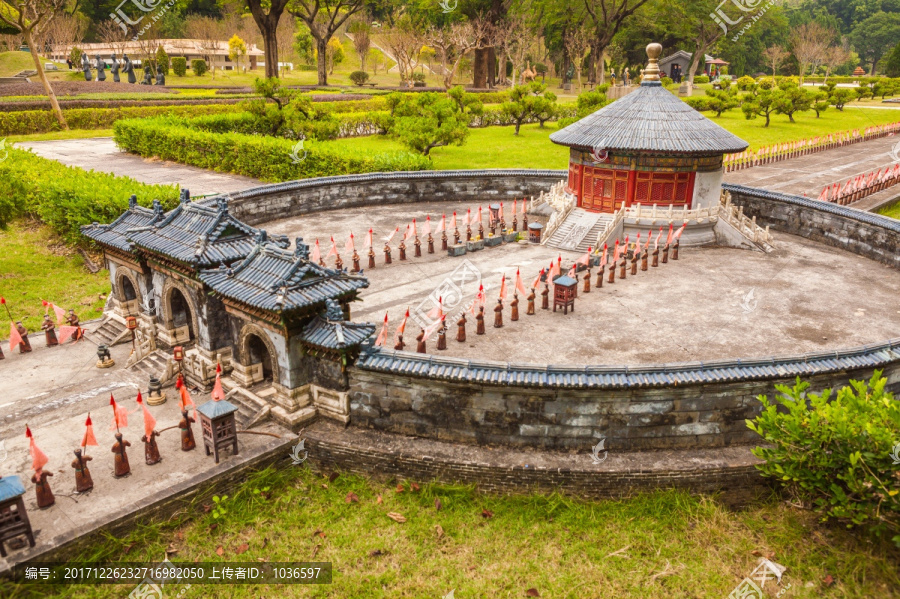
662	407
870	235
283	200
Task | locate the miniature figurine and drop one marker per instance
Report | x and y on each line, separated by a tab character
665	258
498	314
387	254
402	248
128	69
371	257
515	226
655	262
417	252
151	450
455	237
430	244
355	261
86	66
587	281
420	346
529	311
545	297
49	331
644	257
187	433
479	320
122	467
675	249
514	308
83	480
622	266
468	232
634	261
72	320
101	67
612	272
25	344
400	345
42	488
2	357
114	69
599	283
461	328
480	229
338	263
524	221
160	75
444	241
442	337
148	75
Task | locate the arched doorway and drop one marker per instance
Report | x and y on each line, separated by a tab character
127	289
180	312
258	353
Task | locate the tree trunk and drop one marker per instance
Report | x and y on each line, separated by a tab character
321	64
271	48
479	68
493	67
602	63
699	52
26	35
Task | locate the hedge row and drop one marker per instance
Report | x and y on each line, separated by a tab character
265	158
107	104
42	121
66	197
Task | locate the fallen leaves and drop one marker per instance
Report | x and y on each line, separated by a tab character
413	487
400	488
378	500
437	504
439	531
220	551
351	497
376	553
396	517
828	580
333	477
172	548
316	549
532	592
242	548
485	513
767	554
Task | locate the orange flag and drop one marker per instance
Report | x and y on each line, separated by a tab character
479	300
427	230
89	438
333	251
437	311
453	221
60	313
186	399
120	414
368	243
14	337
315	255
65	332
503	287
350	247
149	420
433	327
401	328
603	258
520	287
383	335
443	226
39	459
538	279
680	231
217	393
669	237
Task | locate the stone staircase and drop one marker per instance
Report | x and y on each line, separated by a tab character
579	230
251	403
110	332
152	365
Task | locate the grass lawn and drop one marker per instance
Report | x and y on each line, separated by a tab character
70	134
35	265
664	544
893	210
12	63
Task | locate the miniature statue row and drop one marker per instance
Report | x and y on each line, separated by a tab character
114	67
49	329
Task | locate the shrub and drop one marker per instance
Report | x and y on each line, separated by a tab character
198	65
162	60
746	84
834	452
701	79
179	65
266	158
698	103
359	77
66	197
75	55
667	81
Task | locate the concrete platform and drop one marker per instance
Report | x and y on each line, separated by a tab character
52	390
714	303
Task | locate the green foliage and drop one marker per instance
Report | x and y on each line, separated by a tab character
862	92
720	100
198	65
467	103
763	103
840	96
430	120
179	65
587	103
162	60
359	77
75	55
529	101
304	43
263	157
885	87
791	99
820	102
746	84
891	62
284	112
65	197
700	79
219	503
834	452
667	81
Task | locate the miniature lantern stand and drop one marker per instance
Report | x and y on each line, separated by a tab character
564	288
131	324
534	232
13	517
218	424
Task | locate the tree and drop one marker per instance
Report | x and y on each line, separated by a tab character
762	102
404	40
809	42
429	120
834	57
527	102
578	43
361	41
65	31
268	27
820	102
324	18
775	55
892	63
376	57
237	49
207	31
303	43
162	60
110	33
457	40
792	98
284	38
875	36
840	96
607	17
335	54
720	100
30	18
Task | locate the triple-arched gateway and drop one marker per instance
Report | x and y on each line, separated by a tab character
231	296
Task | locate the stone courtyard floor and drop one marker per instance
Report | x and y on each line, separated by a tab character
52	390
714	303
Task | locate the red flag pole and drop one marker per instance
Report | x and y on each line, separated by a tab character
3	301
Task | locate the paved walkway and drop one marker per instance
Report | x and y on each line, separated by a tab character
102	154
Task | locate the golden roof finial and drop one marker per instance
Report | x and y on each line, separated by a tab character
651	73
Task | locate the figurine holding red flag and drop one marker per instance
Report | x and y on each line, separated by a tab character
187	433
24	344
83	480
151	450
41	485
118	448
49	331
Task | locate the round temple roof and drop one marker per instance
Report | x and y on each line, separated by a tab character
649	119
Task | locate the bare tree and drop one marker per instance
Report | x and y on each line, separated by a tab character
63	32
361	41
834	57
775	55
110	33
455	41
404	42
578	44
207	31
516	38
324	18
10	41
30	19
285	38
606	18
808	43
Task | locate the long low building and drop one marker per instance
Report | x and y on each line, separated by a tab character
214	52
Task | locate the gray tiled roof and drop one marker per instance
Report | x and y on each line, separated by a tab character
215	409
274	279
200	235
10	486
651	119
336	335
620	377
114	234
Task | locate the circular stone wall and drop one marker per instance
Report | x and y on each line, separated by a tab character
664	406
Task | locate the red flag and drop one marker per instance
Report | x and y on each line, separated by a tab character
538	279
603	257
217	393
383	335
315	255
480	220
433	327
407	234
65	332
586	259
443	226
401	328
186	400
437	311
520	287
14	337
453	221
38	458
350	247
468	220
387	239
149	420
120	414
427	230
669	237
649	235
60	313
503	287
656	241
333	251
615	257
414	234
680	231
89	438
555	270
637	244
479	300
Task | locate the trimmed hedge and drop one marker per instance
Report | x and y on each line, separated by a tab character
262	157
42	121
19	106
66	197
179	65
198	65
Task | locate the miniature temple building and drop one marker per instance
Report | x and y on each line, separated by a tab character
564	290
218	426
13	517
648	147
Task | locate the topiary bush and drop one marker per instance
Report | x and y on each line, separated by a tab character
699	79
162	60
359	77
836	452
179	65
667	81
198	65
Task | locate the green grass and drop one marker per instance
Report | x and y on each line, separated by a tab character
12	63
35	265
893	210
663	544
70	134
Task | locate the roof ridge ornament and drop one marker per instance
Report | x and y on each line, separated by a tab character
333	311
651	73
185	196
222	204
132	202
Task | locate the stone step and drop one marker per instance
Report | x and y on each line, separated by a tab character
110	332
153	365
574	232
